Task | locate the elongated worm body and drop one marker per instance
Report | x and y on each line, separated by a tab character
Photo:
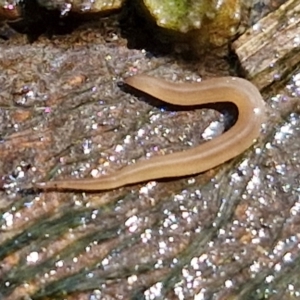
251	114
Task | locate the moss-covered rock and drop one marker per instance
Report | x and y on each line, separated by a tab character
200	22
213	21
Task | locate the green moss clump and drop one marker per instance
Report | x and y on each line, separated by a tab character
208	21
178	15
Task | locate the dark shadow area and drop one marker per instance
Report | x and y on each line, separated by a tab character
141	31
37	20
